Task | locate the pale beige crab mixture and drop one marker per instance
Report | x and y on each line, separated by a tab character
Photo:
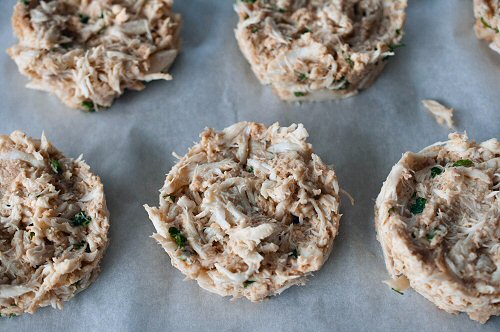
487	14
319	49
438	221
248	211
87	52
53	225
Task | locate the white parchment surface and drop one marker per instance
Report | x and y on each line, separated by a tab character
130	147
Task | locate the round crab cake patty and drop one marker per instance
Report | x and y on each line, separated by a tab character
249	211
438	221
487	14
53	225
319	49
88	52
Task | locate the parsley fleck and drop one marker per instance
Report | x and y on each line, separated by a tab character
81	219
56	166
306	30
435	171
250	169
350	62
391	210
487	25
255	29
398	291
79	245
248	283
431	235
84	18
463	163
25	2
398	32
88	106
32	235
294	253
393	47
302	77
299	94
171	197
179	238
249	1
419	205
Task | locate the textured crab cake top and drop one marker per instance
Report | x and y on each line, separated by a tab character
487	13
318	49
249	211
438	220
88	52
53	225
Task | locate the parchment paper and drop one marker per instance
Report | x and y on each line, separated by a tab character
130	147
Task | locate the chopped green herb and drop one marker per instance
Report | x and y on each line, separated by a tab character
170	197
56	166
88	106
247	283
25	2
84	18
463	163
299	94
281	10
79	245
307	30
393	47
179	238
398	32
294	253
32	235
249	1
419	205
255	29
435	171
350	62
102	15
398	291
250	169
302	77
346	83
487	25
431	235
391	210
81	219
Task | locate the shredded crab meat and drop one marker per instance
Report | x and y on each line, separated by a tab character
442	114
439	224
45	258
487	13
87	52
319	49
248	211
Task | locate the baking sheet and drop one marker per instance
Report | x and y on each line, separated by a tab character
129	146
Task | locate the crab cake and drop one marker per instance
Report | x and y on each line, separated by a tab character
53	225
319	49
487	25
249	211
438	221
88	52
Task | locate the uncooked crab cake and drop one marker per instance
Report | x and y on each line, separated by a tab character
438	221
249	211
53	225
88	52
319	49
487	25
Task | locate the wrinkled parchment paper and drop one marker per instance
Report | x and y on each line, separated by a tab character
130	147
